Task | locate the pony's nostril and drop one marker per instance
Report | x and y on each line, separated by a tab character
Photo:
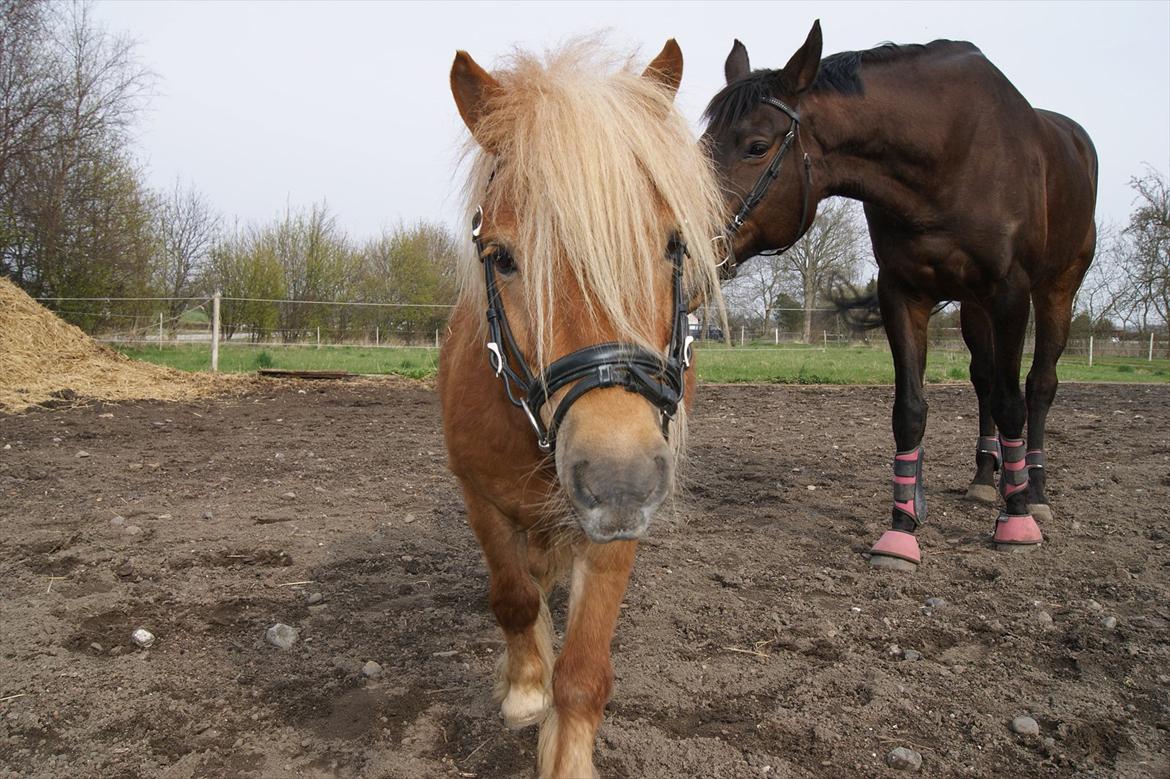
581	489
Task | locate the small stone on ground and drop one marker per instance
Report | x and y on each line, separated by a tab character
371	670
142	637
904	759
281	636
1025	726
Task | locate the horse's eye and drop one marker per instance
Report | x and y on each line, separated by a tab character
675	246
503	261
758	148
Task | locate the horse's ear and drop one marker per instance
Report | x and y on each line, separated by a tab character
472	87
737	65
806	62
667	67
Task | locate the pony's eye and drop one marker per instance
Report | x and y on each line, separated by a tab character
675	246
758	148
503	261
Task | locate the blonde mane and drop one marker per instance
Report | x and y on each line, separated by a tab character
598	168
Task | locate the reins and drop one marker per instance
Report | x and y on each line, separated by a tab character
729	267
613	364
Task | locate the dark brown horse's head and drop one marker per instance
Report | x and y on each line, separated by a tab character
586	181
748	135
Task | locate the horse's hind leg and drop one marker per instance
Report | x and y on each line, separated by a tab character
1053	306
524	673
905	319
583	677
977	334
1016	528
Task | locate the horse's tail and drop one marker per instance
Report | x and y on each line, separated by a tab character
859	308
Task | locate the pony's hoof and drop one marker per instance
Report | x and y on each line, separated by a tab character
896	550
1041	511
522	708
983	493
1017	533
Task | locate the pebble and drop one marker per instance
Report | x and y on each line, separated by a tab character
82	453
118	521
904	759
289	496
142	637
314	598
281	636
911	655
1025	726
1044	618
95	646
133	530
936	603
371	670
208	515
1109	622
894	650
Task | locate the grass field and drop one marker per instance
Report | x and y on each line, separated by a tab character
789	364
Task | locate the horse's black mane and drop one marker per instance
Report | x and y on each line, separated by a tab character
839	73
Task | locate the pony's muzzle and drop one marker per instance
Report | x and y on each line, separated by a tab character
615	499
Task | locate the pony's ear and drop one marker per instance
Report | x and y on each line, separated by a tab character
806	62
667	67
737	65
472	87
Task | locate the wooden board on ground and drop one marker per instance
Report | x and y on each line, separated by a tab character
281	373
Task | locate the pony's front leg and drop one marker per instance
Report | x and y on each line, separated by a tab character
524	674
583	676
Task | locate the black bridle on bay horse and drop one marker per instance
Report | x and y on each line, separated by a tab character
614	364
729	267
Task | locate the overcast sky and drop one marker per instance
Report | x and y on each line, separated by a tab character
260	105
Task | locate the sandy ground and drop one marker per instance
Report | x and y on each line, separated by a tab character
754	640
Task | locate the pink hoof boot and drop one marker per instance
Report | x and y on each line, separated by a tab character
896	550
1016	533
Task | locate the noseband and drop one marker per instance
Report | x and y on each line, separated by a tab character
613	364
754	198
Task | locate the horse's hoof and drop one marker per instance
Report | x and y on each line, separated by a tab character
896	550
983	493
1017	533
1041	511
522	708
892	563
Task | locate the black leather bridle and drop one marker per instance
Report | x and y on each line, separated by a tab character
657	378
728	267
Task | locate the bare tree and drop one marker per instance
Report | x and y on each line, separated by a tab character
833	248
1147	259
187	228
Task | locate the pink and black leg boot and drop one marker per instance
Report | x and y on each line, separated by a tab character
1015	529
897	549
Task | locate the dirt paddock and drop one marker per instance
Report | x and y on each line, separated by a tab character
754	641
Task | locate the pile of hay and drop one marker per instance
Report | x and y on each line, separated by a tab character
42	357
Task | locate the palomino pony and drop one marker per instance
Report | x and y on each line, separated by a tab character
591	208
971	194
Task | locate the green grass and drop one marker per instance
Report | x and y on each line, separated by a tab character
788	364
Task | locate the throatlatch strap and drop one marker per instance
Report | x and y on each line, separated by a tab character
1014	477
909	495
1035	459
989	444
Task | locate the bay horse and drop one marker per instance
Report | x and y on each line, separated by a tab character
971	194
591	208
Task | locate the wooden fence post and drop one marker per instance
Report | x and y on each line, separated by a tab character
215	331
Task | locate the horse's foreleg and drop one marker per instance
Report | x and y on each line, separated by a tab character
583	677
523	679
1016	528
1053	316
905	319
977	335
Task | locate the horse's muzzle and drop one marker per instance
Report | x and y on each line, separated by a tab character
616	499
